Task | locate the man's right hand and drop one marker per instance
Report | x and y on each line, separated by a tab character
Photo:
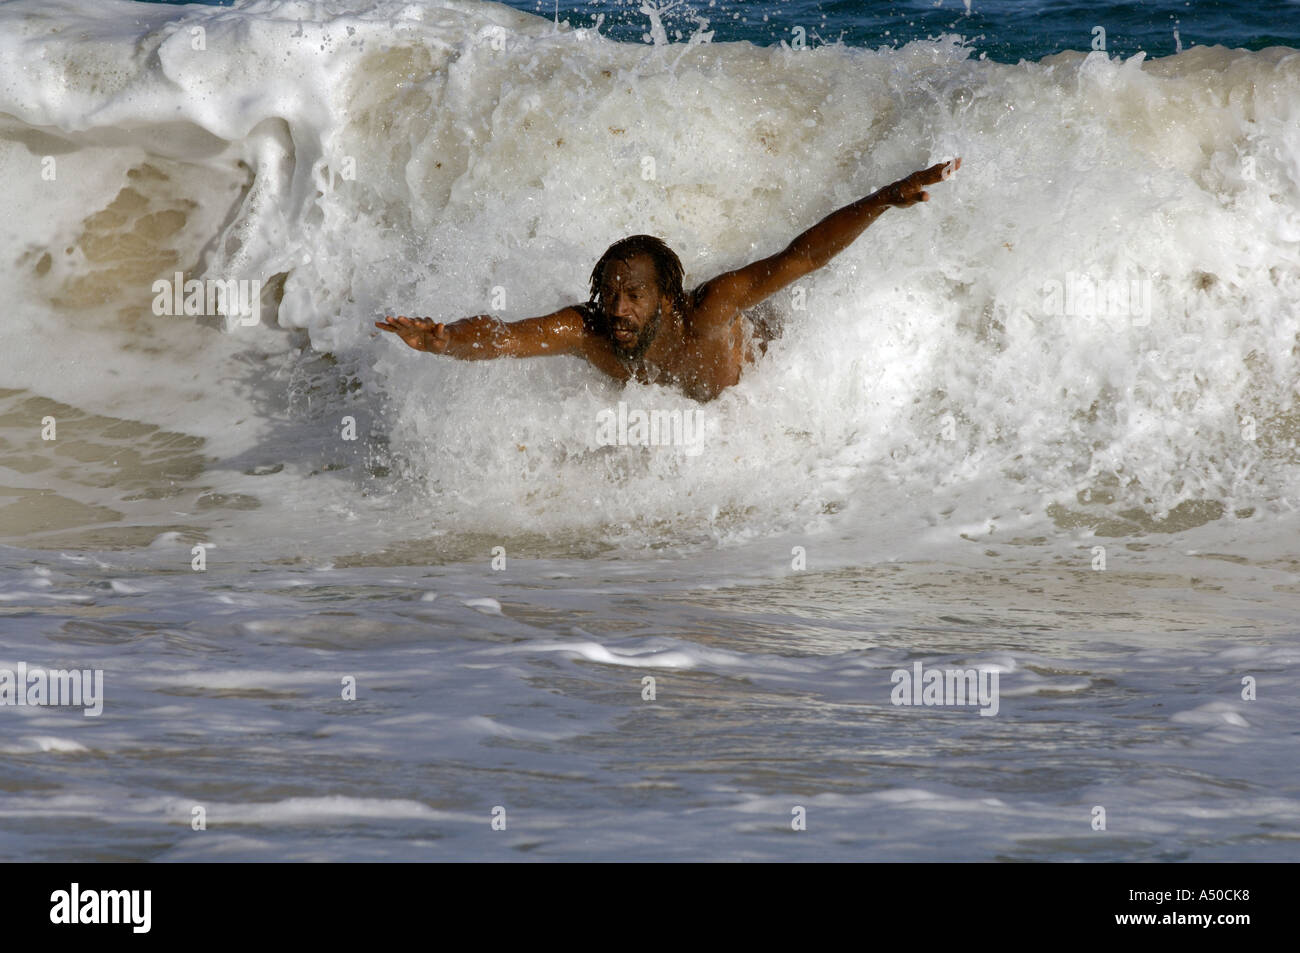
910	190
423	334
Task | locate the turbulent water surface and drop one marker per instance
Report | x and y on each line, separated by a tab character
355	602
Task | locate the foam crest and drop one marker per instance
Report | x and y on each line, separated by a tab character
1096	317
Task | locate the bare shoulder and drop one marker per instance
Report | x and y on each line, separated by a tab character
715	306
585	327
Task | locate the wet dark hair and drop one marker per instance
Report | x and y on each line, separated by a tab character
668	267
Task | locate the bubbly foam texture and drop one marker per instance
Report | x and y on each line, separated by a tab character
392	157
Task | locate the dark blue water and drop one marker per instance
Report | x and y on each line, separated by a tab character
1004	30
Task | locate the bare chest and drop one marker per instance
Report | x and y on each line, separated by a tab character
699	367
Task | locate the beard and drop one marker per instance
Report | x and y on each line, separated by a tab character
642	342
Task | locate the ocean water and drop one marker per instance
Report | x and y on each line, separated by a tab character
354	602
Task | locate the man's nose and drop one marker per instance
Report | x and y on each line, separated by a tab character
622	306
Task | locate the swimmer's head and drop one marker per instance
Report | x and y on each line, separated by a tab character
631	285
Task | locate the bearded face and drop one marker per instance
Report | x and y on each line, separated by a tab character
631	345
632	304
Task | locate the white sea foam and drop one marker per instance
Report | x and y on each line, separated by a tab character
45	743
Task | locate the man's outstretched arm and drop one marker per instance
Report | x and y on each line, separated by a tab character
483	337
746	287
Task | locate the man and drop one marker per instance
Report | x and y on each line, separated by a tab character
641	323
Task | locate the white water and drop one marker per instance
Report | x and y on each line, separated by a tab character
484	168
